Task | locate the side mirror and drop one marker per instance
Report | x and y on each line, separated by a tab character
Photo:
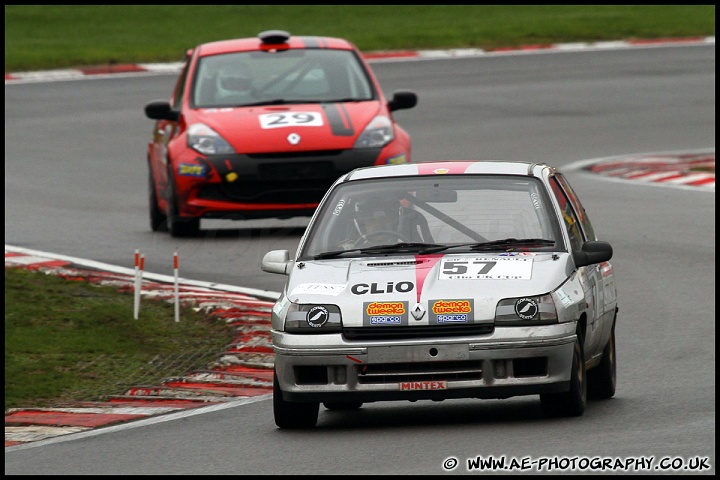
593	252
277	261
402	100
161	110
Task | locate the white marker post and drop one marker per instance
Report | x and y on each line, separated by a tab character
136	305
177	289
139	283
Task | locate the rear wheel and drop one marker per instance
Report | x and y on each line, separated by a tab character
292	415
177	225
158	220
342	405
603	378
571	403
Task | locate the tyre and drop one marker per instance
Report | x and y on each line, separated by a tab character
158	220
177	225
603	378
292	415
342	405
571	403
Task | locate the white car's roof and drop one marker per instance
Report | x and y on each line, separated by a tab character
496	167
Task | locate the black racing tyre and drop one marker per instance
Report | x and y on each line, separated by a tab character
293	415
158	220
571	403
177	225
603	378
342	405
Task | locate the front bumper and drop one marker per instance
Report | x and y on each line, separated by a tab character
268	185
511	361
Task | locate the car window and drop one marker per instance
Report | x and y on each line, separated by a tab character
577	205
180	85
308	75
448	210
572	224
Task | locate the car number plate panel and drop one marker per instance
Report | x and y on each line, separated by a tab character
417	353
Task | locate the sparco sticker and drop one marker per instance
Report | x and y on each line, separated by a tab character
385	313
290	119
486	268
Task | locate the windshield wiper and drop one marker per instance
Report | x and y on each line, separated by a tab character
511	243
405	247
506	244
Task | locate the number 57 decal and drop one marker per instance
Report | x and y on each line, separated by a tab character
291	119
504	268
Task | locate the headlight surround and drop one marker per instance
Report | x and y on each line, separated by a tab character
378	133
524	311
313	318
207	141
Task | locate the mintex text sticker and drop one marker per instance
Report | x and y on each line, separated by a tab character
486	268
385	313
291	119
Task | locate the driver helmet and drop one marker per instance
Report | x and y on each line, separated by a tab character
376	213
233	79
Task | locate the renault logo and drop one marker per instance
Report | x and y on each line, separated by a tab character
293	138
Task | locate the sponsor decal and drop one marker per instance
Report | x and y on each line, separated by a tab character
425	385
318	289
526	308
486	268
374	288
338	207
441	171
189	170
397	159
290	119
317	316
451	311
385	313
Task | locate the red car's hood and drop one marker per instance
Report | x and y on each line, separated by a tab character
288	128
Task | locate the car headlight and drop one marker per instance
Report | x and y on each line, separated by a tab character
378	133
524	311
313	318
207	141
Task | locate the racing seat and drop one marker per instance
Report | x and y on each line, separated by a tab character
414	226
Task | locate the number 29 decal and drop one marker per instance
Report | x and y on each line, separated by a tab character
291	119
486	268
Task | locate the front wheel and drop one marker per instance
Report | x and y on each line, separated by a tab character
603	378
177	225
158	220
292	415
571	403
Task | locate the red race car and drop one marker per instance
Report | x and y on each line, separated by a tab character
262	127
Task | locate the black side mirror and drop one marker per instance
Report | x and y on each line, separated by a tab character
593	252
402	100
161	110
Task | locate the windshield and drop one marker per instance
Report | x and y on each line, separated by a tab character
434	214
276	77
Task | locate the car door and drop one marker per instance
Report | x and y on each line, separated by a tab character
580	230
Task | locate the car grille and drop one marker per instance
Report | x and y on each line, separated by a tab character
391	333
420	371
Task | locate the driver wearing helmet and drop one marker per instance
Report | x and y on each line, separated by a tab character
234	82
376	220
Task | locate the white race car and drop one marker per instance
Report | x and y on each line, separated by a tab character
452	279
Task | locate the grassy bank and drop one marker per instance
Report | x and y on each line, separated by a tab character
39	37
71	340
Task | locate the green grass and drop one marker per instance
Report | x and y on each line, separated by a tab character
39	37
72	340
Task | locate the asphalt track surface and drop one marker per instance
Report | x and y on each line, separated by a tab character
243	372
